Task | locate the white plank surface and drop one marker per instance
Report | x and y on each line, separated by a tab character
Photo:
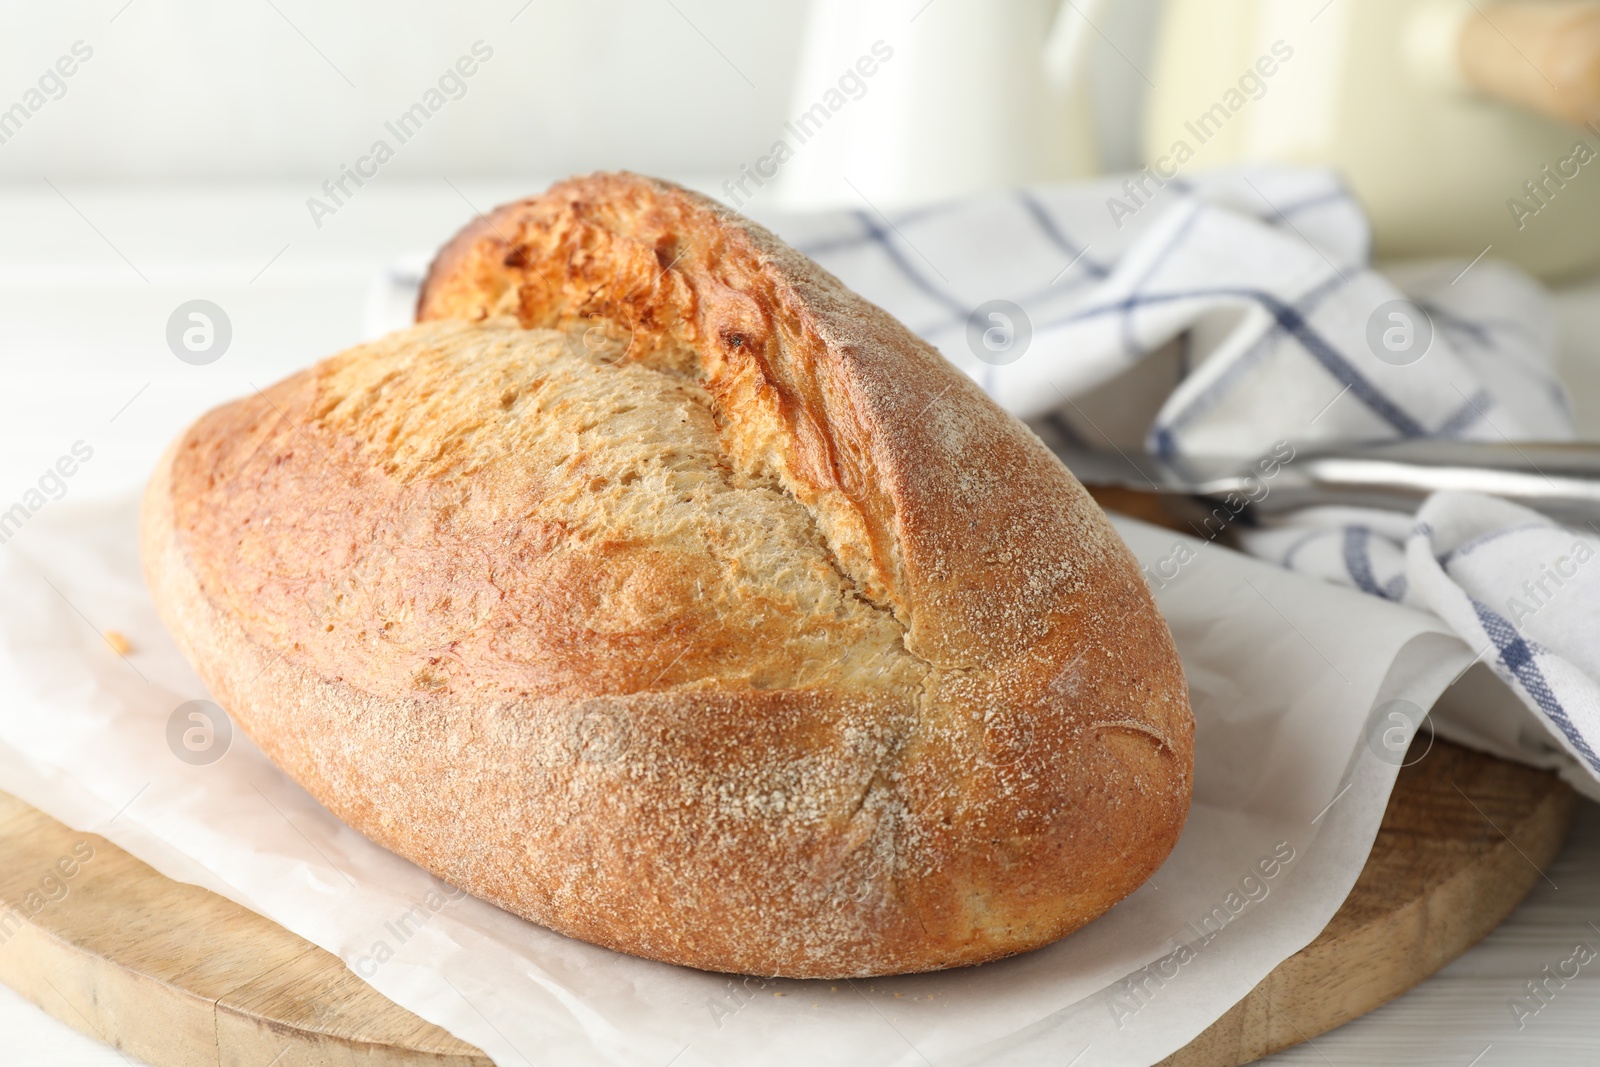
33	1038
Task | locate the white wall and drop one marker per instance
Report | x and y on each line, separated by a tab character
231	90
237	90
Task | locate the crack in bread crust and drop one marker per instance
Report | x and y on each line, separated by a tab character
659	589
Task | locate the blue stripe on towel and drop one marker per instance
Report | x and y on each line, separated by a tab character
881	237
1466	414
1517	655
1246	362
858	240
1296	326
1047	226
1131	348
1358	560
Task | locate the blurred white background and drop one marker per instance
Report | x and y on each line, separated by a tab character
264	89
257	90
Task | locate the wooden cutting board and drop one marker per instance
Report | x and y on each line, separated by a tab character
181	977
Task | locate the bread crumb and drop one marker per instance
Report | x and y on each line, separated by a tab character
118	642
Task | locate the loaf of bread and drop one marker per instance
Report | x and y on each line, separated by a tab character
657	588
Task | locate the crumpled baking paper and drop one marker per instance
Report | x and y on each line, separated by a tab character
1305	695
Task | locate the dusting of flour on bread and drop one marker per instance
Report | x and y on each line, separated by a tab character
661	590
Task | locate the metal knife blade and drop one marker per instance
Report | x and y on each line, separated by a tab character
1558	479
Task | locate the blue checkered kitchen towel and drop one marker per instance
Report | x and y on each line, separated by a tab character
1231	312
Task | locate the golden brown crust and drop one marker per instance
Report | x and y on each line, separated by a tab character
702	611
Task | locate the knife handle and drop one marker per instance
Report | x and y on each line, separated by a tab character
1148	507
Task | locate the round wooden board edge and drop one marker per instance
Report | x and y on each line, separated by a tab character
180	977
1397	929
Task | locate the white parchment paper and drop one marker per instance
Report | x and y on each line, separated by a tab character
1293	682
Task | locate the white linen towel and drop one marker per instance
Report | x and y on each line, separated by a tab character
1519	588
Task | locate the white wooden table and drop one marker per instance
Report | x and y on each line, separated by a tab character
89	277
